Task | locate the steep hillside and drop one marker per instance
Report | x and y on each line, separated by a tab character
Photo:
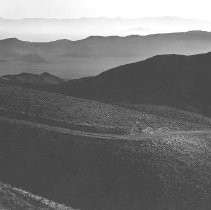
172	80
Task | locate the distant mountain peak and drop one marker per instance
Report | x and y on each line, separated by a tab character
46	74
13	39
197	31
62	41
28	78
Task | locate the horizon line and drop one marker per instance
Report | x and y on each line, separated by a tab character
107	18
112	36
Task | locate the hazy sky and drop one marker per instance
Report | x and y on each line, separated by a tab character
16	9
101	17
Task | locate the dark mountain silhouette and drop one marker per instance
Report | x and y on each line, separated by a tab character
91	56
27	78
175	80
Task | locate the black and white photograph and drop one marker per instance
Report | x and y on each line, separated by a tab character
105	105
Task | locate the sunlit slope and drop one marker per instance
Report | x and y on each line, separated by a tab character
13	198
86	115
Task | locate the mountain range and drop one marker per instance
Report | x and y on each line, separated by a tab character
27	78
49	29
174	80
171	80
95	54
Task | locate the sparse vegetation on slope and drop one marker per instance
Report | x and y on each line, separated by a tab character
63	110
155	172
163	118
165	165
81	114
169	113
13	198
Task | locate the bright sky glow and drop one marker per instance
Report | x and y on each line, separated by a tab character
17	9
100	17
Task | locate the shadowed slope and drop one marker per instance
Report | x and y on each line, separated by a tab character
172	80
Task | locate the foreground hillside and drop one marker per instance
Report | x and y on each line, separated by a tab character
13	198
169	113
87	115
155	172
95	156
171	80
